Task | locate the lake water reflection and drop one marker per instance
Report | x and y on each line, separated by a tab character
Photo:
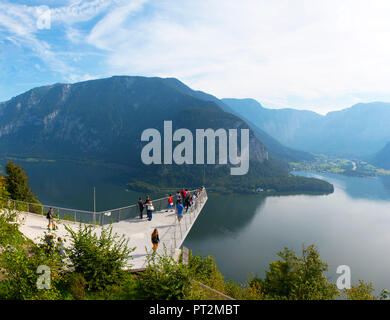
350	227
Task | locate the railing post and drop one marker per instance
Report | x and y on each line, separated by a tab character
181	232
174	233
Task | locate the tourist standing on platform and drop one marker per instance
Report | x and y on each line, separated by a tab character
183	194
149	210
50	217
178	198
155	240
179	210
194	198
170	202
141	207
60	247
187	201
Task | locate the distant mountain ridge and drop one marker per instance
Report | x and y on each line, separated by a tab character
358	131
102	120
275	148
382	158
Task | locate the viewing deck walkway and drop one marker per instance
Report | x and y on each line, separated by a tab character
172	233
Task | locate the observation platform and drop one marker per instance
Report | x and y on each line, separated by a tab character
172	233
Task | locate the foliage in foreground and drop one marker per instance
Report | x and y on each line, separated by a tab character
297	278
98	262
4	195
164	279
362	291
99	258
19	261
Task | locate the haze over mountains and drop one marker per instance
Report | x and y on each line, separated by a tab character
359	131
102	121
382	158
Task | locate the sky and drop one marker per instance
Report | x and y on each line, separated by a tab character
306	54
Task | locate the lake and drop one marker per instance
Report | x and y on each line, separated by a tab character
350	227
244	233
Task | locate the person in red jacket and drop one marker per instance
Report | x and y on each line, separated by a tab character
170	203
183	194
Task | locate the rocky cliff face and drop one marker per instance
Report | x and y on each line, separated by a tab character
103	119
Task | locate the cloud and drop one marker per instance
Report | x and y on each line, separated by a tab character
21	22
107	33
310	51
305	53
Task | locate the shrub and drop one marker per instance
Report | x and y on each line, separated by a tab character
164	279
204	270
20	273
4	195
363	291
76	284
100	259
9	232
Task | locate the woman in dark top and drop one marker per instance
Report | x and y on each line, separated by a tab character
141	207
155	240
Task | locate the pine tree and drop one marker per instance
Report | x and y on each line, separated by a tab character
17	183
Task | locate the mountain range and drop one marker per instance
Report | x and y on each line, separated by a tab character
358	131
102	121
382	158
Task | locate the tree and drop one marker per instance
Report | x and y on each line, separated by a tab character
164	279
297	278
17	183
4	195
362	291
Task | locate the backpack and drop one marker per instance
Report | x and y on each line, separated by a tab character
48	215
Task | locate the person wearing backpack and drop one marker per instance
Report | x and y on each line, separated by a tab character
50	218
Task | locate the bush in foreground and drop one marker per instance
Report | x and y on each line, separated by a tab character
99	258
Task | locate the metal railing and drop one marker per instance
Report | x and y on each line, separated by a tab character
58	212
174	237
208	293
119	214
84	216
